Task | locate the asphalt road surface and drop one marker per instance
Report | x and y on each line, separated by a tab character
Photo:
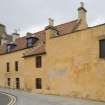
26	98
4	99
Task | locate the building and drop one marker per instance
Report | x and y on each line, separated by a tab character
67	59
4	37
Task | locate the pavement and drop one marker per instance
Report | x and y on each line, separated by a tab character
26	98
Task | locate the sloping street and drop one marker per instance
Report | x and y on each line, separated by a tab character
25	98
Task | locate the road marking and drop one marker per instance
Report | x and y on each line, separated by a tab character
13	98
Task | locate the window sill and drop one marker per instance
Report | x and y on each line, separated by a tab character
101	59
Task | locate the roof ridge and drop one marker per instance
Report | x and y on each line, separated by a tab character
66	22
59	25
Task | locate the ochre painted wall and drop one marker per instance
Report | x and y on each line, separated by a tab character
71	65
31	73
11	58
77	56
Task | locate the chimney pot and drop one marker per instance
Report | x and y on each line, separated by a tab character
82	4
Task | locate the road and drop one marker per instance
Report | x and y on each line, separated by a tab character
26	98
4	99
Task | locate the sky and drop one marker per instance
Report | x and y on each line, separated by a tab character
32	15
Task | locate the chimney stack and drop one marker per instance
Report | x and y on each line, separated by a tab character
15	36
51	22
82	16
51	31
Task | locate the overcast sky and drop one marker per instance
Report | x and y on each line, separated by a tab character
32	15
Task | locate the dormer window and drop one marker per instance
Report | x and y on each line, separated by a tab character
10	47
31	41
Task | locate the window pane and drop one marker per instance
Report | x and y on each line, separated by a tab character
8	48
29	42
102	48
38	83
9	81
8	68
38	61
18	83
16	65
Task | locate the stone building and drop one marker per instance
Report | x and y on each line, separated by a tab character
4	37
67	59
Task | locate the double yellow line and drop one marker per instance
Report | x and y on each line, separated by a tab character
12	98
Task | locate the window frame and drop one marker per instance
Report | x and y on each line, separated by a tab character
29	42
101	50
17	83
8	67
9	82
16	66
38	61
38	83
8	49
33	40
